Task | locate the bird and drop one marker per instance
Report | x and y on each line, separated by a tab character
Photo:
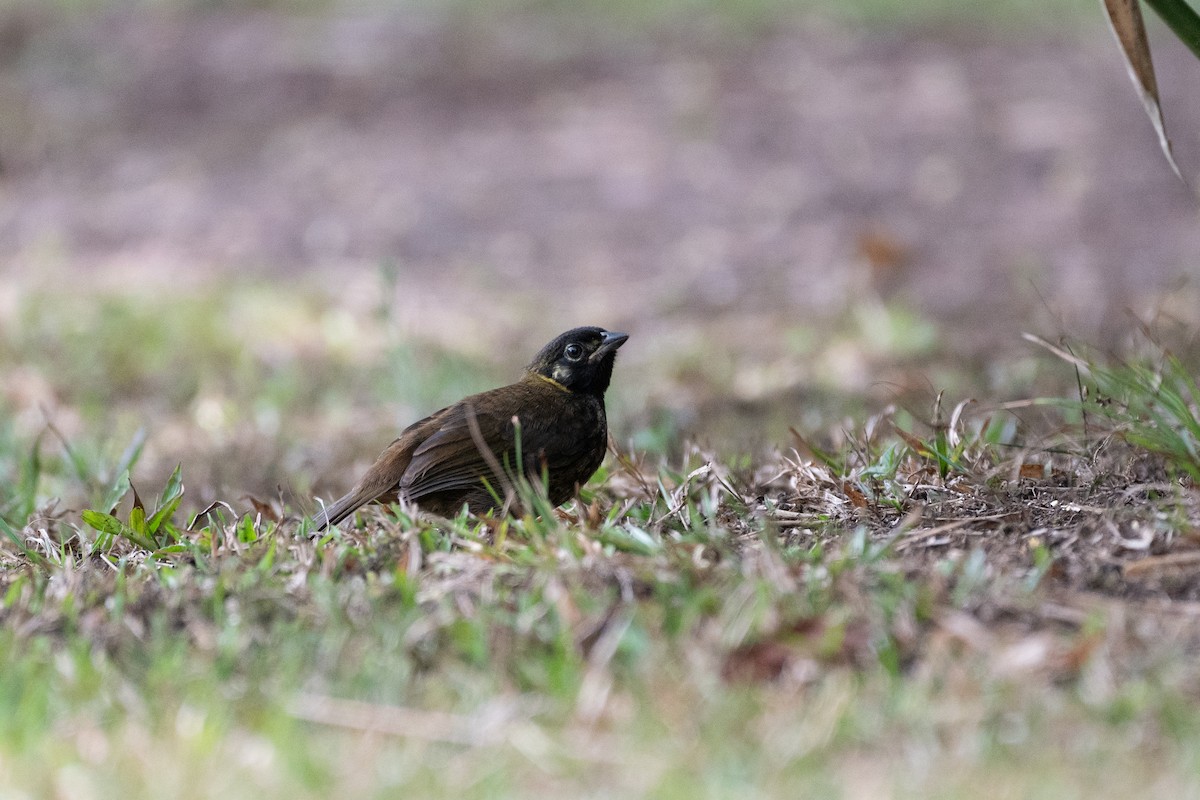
465	453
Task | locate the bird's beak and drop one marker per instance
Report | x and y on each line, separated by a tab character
612	340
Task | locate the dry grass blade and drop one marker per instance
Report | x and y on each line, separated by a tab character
490	458
499	723
928	533
597	683
1125	19
1150	564
434	726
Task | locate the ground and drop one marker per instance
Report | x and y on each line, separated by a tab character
857	536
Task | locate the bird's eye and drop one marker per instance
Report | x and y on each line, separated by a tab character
574	352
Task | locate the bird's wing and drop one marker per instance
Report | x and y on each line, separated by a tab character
385	474
440	454
451	458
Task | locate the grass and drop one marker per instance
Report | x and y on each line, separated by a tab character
911	604
1151	403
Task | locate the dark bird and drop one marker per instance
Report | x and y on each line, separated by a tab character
442	461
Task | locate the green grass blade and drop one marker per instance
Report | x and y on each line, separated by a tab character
163	515
104	523
110	525
172	491
119	489
133	452
1181	19
12	534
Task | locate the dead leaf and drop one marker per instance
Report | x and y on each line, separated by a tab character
857	498
214	505
767	658
1125	19
756	662
1073	660
593	516
917	446
1032	471
262	508
886	254
1191	558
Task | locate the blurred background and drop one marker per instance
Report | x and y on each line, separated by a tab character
270	234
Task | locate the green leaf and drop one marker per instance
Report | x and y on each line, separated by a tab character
137	520
32	555
31	473
168	502
246	532
268	558
14	591
163	515
630	539
118	491
1181	19
110	525
104	523
173	490
133	452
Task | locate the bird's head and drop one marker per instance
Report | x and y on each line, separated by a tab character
580	360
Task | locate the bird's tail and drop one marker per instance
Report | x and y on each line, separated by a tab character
344	507
380	482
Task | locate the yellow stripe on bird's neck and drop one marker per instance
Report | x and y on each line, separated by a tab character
551	381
